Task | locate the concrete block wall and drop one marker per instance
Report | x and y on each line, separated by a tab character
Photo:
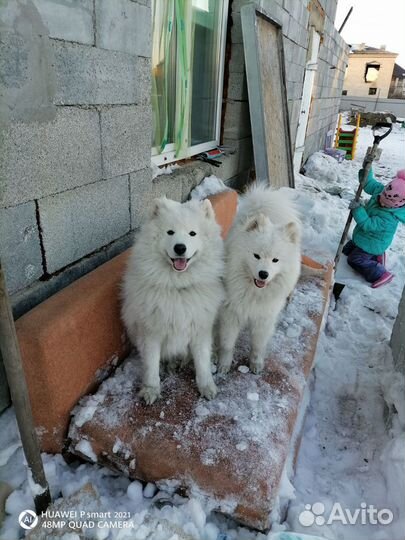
332	62
296	19
76	131
75	139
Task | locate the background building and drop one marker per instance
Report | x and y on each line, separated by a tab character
397	87
369	72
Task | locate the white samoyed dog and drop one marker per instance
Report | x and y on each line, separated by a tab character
263	257
172	290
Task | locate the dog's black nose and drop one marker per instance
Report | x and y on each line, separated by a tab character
263	274
180	249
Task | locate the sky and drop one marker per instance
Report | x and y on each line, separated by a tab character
376	23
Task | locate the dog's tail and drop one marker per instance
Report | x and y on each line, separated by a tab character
277	204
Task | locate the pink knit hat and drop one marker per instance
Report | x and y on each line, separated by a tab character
393	195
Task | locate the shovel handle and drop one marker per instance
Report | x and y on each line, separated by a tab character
367	166
380	125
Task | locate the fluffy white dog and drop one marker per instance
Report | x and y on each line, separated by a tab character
263	255
172	290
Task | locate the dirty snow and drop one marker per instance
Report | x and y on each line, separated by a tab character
209	186
352	452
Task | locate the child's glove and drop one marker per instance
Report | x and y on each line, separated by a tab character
355	204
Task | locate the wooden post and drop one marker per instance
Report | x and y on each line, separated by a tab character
338	131
19	395
356	135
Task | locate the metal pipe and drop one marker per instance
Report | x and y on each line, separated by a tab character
345	20
19	395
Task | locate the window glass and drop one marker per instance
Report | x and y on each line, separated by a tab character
207	15
186	71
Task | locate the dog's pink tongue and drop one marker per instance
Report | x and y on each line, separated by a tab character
180	264
259	283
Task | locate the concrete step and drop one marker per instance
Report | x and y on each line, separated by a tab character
232	449
70	342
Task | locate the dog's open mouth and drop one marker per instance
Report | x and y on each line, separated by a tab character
259	283
180	264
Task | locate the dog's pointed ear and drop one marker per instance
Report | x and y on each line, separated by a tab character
256	223
208	209
292	232
157	205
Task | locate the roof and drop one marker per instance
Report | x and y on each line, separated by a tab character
398	71
366	49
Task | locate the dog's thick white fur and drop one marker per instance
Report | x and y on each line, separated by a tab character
263	255
172	290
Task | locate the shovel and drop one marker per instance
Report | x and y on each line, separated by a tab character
367	162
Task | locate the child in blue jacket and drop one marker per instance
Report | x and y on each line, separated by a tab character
376	224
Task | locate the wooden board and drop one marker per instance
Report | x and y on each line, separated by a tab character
265	70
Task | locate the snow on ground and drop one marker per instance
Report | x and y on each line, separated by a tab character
347	455
350	454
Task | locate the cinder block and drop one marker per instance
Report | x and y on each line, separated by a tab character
20	248
83	220
126	134
237	62
194	174
237	86
167	186
236	29
238	4
26	80
141	193
87	75
237	120
144	80
71	21
123	25
70	341
240	160
41	158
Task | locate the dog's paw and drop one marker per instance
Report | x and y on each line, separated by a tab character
256	366
223	369
209	391
150	394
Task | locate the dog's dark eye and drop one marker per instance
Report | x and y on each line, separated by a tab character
275	260
192	233
170	233
256	255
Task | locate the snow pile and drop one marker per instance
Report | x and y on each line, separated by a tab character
209	186
322	168
167	169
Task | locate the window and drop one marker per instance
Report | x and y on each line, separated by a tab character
372	91
371	72
344	92
188	46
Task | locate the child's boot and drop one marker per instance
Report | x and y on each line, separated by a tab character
387	277
382	259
